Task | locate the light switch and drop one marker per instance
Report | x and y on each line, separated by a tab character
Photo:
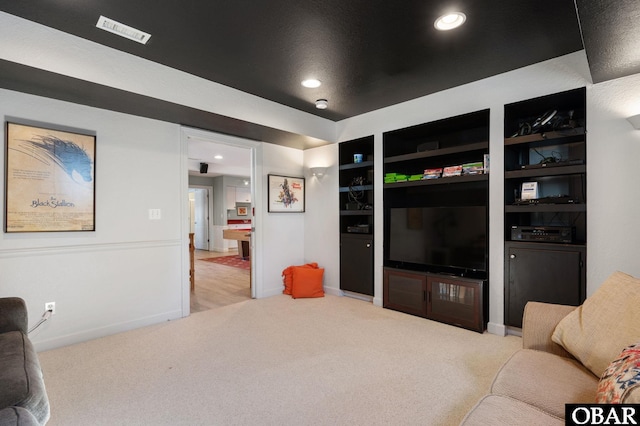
155	214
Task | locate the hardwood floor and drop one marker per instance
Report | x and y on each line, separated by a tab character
217	285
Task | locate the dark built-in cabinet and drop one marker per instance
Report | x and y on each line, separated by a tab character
458	301
356	215
545	202
435	196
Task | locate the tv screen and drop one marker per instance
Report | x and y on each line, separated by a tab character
438	237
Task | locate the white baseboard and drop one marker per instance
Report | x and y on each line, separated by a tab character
497	329
333	291
83	336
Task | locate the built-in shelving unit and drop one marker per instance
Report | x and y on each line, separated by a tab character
356	215
436	226
545	236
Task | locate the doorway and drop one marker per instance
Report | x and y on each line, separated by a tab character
220	197
199	216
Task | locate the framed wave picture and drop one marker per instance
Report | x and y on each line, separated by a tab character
49	179
286	194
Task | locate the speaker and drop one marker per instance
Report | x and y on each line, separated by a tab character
204	167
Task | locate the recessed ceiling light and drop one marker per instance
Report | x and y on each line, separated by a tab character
122	30
311	83
450	21
322	104
218	157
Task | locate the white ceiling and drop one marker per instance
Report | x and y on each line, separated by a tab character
236	161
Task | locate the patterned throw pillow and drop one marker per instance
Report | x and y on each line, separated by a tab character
620	382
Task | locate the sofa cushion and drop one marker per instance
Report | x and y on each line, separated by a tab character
545	381
501	410
17	416
620	383
21	382
604	325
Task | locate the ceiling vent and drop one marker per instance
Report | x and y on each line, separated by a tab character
123	30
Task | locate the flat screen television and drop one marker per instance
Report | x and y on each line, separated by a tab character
438	239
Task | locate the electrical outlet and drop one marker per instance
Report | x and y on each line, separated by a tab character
50	306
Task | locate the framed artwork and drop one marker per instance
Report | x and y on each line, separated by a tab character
242	211
286	194
49	179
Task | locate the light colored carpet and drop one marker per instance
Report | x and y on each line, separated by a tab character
277	361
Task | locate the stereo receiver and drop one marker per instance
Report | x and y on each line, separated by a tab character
547	234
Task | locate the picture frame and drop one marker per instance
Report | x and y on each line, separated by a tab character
242	211
49	179
286	194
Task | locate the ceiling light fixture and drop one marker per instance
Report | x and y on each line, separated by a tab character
218	157
322	104
122	30
450	21
311	83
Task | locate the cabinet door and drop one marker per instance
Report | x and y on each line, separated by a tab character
356	263
456	302
405	292
542	275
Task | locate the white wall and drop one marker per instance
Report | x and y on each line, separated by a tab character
125	274
322	225
130	272
281	234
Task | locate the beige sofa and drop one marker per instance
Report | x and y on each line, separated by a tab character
570	356
532	387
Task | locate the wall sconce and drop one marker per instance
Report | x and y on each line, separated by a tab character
635	121
318	171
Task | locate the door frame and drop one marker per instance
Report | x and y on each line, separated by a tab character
256	176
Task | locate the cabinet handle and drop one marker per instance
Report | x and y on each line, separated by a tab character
513	256
368	245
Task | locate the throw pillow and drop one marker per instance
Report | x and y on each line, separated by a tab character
287	275
307	282
620	383
606	323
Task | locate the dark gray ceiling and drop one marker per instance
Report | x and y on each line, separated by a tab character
369	54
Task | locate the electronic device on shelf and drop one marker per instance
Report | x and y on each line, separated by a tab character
554	199
557	163
358	229
547	234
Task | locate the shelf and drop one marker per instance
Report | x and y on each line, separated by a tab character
542	208
545	245
362	165
479	146
367	212
356	188
439	181
546	171
545	137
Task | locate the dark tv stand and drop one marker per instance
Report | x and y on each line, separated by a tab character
453	300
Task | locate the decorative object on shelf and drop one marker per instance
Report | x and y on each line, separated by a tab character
49	179
356	192
286	194
242	211
357	158
529	191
